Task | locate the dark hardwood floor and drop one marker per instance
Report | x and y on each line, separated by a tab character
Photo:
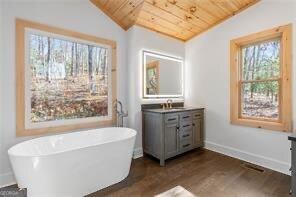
202	172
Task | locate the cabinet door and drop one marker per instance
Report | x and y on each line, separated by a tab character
171	140
197	132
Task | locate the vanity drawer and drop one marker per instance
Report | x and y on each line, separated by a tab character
185	130
186	116
186	125
171	118
197	114
185	135
185	145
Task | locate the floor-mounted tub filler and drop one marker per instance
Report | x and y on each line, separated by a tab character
73	164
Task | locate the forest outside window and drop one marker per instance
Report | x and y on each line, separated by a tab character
261	81
67	80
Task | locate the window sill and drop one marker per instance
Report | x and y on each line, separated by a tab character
276	126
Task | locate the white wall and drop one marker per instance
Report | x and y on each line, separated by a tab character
1	62
75	15
138	39
207	77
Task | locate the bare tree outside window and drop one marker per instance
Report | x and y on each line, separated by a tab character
69	80
260	76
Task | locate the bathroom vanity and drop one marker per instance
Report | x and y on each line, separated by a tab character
170	132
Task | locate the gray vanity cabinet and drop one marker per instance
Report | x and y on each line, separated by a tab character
293	169
167	133
293	164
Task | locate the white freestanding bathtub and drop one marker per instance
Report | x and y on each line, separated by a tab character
73	164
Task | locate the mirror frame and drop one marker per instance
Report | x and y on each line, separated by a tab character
163	56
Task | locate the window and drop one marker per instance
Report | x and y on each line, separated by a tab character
261	79
64	79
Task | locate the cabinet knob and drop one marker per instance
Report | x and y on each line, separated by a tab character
193	124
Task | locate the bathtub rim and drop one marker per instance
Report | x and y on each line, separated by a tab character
10	150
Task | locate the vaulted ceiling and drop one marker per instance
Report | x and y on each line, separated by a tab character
181	19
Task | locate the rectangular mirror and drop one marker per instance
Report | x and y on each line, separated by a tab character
162	76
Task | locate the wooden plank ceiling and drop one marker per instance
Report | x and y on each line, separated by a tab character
181	19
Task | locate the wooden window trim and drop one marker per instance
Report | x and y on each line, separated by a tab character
21	130
285	119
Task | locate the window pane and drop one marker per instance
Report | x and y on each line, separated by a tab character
69	79
261	60
260	100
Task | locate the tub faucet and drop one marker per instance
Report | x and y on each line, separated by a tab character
120	113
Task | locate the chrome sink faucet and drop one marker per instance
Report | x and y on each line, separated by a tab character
120	113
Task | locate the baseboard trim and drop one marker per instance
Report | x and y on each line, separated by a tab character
138	152
266	162
7	179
